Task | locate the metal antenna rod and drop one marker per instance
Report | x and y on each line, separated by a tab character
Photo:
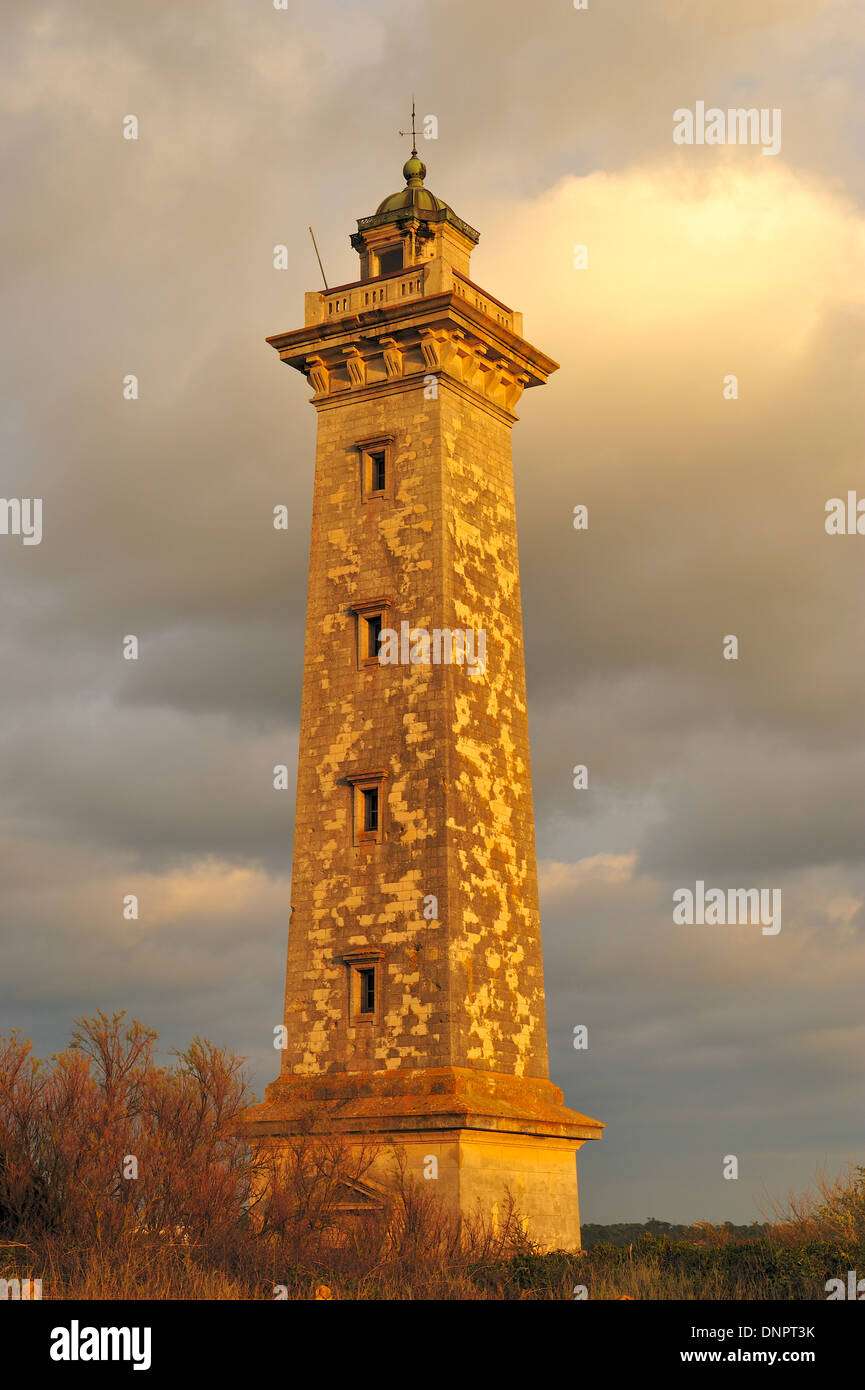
318	257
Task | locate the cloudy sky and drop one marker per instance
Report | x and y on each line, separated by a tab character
706	518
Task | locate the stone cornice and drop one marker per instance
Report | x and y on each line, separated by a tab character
442	335
425	1098
405	214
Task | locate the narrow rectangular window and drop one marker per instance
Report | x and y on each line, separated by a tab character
367	990
371	622
377	474
373	635
370	810
378	471
368	807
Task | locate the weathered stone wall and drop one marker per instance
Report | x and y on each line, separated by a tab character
476	1171
465	989
499	1019
348	895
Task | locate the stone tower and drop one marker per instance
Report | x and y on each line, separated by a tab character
414	1005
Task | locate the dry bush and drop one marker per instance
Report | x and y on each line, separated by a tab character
206	1216
68	1130
708	1233
833	1210
209	1218
300	1190
318	1214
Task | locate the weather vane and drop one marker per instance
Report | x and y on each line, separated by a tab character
404	133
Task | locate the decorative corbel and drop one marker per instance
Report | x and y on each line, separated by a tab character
514	389
476	369
318	375
429	346
356	366
393	356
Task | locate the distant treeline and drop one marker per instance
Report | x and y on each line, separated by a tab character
628	1232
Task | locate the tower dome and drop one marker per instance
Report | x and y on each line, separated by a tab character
411	226
414	197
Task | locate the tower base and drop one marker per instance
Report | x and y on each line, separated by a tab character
489	1135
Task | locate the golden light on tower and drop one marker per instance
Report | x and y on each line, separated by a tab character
414	1007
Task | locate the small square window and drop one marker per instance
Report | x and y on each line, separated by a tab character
390	260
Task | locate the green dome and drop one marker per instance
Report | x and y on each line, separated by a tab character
413	201
418	199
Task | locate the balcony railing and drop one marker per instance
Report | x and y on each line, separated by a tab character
493	308
401	286
396	287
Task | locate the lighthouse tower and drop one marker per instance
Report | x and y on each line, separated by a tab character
414	1006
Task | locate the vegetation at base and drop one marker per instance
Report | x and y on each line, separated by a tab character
206	1218
627	1232
660	1268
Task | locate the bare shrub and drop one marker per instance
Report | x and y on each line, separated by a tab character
832	1210
124	1178
73	1132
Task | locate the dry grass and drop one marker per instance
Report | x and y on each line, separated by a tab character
207	1219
